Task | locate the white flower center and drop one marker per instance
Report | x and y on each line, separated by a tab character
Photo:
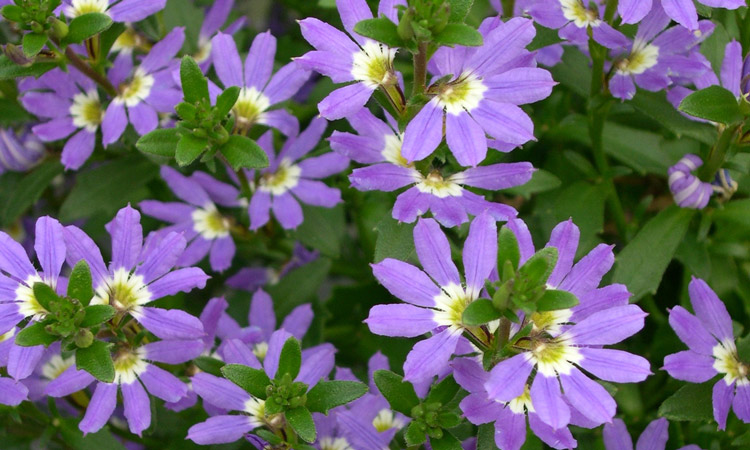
386	420
80	7
285	178
137	90
554	356
522	403
28	304
329	443
128	366
4	337
392	150
260	350
464	93
450	305
87	111
250	107
642	57
127	41
209	222
256	408
436	185
204	50
728	362
373	65
550	321
124	291
575	11
56	365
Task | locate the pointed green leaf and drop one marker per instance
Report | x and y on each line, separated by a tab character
80	284
28	191
447	442
160	142
96	314
540	266
243	152
713	103
444	391
400	394
209	365
45	295
486	437
194	84
330	394
34	334
479	312
226	100
507	248
189	148
86	26
692	402
380	29
33	43
414	436
290	359
459	34
96	360
554	299
10	70
459	10
253	381
302	423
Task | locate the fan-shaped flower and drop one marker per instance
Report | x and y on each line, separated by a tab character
681	11
119	11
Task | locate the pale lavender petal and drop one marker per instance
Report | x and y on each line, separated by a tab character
609	296
588	272
690	366
480	253
259	209
46	104
163	384
510	430
216	16
172	212
622	86
55	129
465	138
691	331
287	211
449	211
100	408
400	320
23	360
710	309
137	407
169	323
410	205
160	259
741	403
504	121
49	247
496	176
508	378
616	436
655	436
324	166
143	117
353	11
296	148
9	316
275	344
337	68
316	193
12	393
614	365
523	237
286	82
383	177
261	313
558	439
564	238
682	11
588	397
298	321
430	356
548	402
632	11
181	280
317	363
69	381
222	253
221	429
234	351
195	252
220	193
259	60
127	238
78	149
723	394
406	282
434	253
114	123
388	9
13	258
226	60
423	133
607	327
162	53
607	36
173	352
324	37
478	409
184	187
345	101
731	68
135	10
220	392
520	86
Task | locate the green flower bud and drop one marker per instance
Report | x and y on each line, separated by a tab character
84	338
58	28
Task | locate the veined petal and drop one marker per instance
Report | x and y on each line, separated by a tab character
508	378
588	272
324	37
173	352
564	238
221	429
400	320
548	402
723	394
135	10
100	408
169	323
430	356
69	381
423	133
298	321
406	282
655	436
219	392
163	384
614	365
23	360
180	280
558	439
345	101
465	138
434	252
710	310
691	331
137	406
470	375
478	409
690	366
480	253
127	238
632	11
682	11
616	436
259	60
226	60
607	327
588	397
383	177
496	176
12	392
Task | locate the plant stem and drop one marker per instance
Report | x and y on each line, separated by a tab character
81	65
609	11
420	69
503	333
508	8
718	154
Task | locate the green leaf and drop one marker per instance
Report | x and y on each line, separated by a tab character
194	84
28	190
554	299
33	44
743	348
45	295
742	441
380	29
34	334
641	264
85	26
541	181
10	70
125	179
160	142
656	106
459	34
400	394
507	248
486	437
80	284
479	312
189	148
414	436
12	13
209	365
268	436
96	314
459	10
323	229
540	266
74	438
544	38
447	442
395	240
692	402
108	37
290	359
226	100
96	360
251	380
713	103
299	285
243	152
330	394
443	392
302	423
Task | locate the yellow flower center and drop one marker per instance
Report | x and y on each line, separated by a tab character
575	11
124	291
137	90
550	321
250	106
727	361
87	111
128	366
285	178
450	305
554	356
373	65
464	93
436	185
209	223
386	420
80	7
642	58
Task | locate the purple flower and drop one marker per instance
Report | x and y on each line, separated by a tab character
712	351
139	274
561	341
202	225
252	278
349	58
687	189
133	371
70	103
19	152
119	11
215	18
12	391
289	180
317	362
654	437
654	55
681	11
143	91
378	144
18	274
573	18
481	99
260	91
437	304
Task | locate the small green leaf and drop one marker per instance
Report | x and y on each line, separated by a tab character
290	359
80	284
226	100
690	403
10	70
108	37
459	34
540	266
85	26
554	299
97	361
194	84
479	312
33	43
45	295
486	437
28	191
459	10
395	240
400	394
253	381
96	314
414	436
507	248
209	365
447	442
243	152
713	103
302	423
381	30
34	334
12	13
189	148
160	142
330	394
268	436
443	392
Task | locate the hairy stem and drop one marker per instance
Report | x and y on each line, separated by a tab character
420	69
98	78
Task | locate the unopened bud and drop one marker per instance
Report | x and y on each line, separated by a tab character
84	338
58	28
15	54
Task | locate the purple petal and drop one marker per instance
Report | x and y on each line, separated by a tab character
655	436
616	436
520	86
423	133
434	253
480	253
564	238
259	60
400	320
287	211
324	166
608	327
185	188
298	321
12	393
548	402
523	236
691	331
172	212
478	409
275	344
353	11
226	60
180	280
496	176
710	310
510	430
316	193
345	101
216	16
383	177
559	439
173	352
410	205
135	10
286	82
682	11
632	11
259	209
222	253
470	375
69	381
326	38
100	408
504	121
160	259
622	86
234	351
301	145
615	365
169	324
127	238
317	363
430	356
137	407
46	104
261	313
163	384
723	394
406	282
13	258
465	138
23	360
588	397
690	366
54	129
162	53
77	149
114	123
741	403
220	392
508	378
610	296
49	247
588	272
220	429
